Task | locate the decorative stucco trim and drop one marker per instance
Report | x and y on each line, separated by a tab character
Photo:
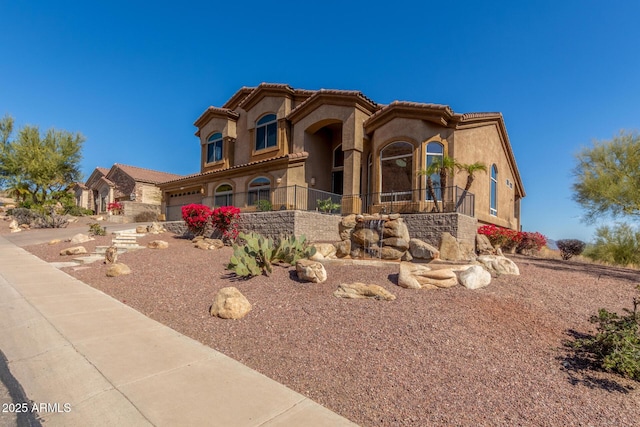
435	113
264	90
346	98
215	112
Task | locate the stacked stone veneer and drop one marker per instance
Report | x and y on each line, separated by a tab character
315	226
429	227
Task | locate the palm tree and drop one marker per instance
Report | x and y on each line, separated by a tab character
470	169
442	166
432	169
447	167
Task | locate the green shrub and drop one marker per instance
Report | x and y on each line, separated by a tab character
77	211
23	215
328	206
291	249
570	247
619	245
616	345
96	229
264	205
50	221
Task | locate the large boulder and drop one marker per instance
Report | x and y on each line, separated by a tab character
361	290
365	236
75	250
324	250
118	269
391	252
423	250
420	276
397	242
474	277
343	248
484	246
453	250
396	228
311	271
158	244
229	303
80	238
497	264
346	226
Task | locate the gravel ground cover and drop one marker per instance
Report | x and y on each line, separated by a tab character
430	358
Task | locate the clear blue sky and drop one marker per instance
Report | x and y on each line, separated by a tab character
133	76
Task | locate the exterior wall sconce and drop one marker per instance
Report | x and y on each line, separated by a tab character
313	181
201	190
278	180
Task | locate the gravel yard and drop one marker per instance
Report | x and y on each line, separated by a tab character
447	357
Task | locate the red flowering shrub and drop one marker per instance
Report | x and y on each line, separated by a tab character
196	216
511	239
115	208
225	220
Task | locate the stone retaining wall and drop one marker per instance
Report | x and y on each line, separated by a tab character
429	227
315	226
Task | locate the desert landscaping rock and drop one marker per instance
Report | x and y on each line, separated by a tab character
205	243
14	227
361	290
118	269
54	241
141	229
474	277
158	244
311	271
155	228
75	250
326	250
229	303
80	238
484	246
343	248
497	264
423	250
453	250
421	276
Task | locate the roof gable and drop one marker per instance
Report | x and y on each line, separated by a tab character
144	175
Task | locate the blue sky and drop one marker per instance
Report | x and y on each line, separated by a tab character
133	76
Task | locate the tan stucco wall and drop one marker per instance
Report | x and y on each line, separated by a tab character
483	144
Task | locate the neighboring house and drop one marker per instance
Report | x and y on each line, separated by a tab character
121	183
278	143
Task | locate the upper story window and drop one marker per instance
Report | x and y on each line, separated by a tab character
266	132
493	198
214	148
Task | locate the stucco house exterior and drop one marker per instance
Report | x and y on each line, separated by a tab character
121	183
274	141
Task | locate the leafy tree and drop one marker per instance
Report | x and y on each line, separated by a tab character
619	245
608	177
40	165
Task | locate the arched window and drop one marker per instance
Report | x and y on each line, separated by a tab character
259	189
493	201
266	132
435	152
396	170
223	196
214	148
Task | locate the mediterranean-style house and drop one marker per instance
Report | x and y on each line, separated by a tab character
294	147
119	184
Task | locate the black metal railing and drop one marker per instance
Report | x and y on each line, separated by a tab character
296	197
414	201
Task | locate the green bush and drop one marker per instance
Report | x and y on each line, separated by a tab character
616	345
264	205
96	229
77	211
570	247
328	206
619	245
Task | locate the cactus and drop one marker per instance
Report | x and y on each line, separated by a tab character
254	256
291	249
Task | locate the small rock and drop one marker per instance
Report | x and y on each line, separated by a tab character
499	264
327	250
155	228
158	244
25	226
54	241
80	238
118	269
229	303
361	290
311	271
111	255
474	277
76	250
141	229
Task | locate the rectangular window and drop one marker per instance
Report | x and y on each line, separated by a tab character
260	138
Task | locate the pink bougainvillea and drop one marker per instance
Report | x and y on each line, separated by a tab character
196	216
225	220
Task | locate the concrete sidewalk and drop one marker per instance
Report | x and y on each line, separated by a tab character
98	362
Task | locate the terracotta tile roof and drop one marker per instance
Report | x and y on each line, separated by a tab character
294	156
103	171
371	105
147	175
